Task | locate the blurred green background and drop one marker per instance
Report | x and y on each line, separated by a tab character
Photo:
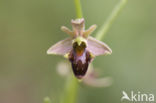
29	27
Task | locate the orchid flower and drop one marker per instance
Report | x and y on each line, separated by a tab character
80	48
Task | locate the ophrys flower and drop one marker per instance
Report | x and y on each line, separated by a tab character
80	48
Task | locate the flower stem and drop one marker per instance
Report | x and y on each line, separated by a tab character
78	9
106	26
72	84
71	89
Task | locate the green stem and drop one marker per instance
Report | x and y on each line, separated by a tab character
72	84
78	9
106	26
71	89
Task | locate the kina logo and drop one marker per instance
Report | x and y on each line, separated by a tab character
137	97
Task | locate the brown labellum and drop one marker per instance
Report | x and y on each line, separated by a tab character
80	59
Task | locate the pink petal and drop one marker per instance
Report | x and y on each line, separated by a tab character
97	47
61	48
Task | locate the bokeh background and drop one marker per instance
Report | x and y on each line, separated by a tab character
29	27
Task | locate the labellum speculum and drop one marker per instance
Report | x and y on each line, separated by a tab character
80	48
